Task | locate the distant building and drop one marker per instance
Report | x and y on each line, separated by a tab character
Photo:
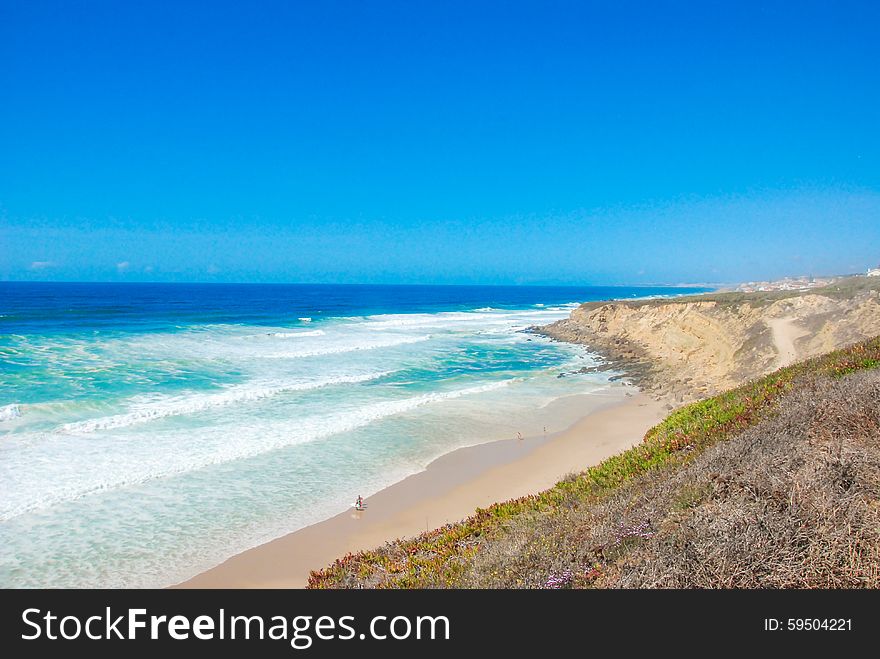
873	272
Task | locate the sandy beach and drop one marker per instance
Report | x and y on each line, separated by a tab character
450	489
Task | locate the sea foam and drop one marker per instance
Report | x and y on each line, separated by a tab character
350	345
195	403
163	456
296	335
9	412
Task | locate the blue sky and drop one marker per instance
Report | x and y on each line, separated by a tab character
444	142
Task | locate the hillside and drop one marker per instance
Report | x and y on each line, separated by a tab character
775	483
686	348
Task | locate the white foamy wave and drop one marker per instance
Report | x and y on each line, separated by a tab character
192	404
446	320
398	321
9	412
304	319
164	456
462	320
296	335
338	349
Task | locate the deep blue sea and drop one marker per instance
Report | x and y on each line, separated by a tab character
150	431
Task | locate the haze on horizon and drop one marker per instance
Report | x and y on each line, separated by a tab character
456	142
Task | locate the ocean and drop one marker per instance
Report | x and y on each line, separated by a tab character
150	431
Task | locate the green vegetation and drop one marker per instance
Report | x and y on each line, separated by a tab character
502	544
845	288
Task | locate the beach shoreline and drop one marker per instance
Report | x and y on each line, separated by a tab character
448	490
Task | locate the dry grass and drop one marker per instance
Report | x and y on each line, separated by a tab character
792	502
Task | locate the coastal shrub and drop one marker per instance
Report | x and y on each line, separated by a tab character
790	503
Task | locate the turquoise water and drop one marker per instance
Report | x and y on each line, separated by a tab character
148	432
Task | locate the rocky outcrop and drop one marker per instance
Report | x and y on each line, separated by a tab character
687	348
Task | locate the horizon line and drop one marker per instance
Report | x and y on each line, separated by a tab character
260	283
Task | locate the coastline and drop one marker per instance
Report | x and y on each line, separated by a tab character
689	347
448	490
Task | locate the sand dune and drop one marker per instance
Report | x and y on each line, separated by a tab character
785	333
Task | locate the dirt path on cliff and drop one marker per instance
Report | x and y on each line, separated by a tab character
785	332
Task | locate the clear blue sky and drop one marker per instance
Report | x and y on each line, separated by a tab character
448	142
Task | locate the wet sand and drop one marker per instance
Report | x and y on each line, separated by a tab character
447	491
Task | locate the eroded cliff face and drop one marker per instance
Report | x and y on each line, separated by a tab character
685	349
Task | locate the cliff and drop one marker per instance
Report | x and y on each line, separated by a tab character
686	348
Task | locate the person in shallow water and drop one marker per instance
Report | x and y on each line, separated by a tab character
359	503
